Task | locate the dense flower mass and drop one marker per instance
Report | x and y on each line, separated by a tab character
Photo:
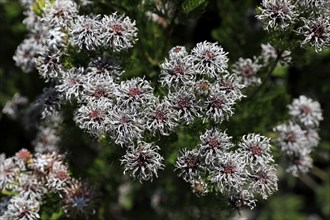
29	178
82	56
240	174
299	137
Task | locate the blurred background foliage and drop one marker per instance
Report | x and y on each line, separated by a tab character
233	25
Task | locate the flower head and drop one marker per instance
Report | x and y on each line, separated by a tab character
306	111
143	161
209	59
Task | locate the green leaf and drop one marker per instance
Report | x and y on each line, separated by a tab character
190	5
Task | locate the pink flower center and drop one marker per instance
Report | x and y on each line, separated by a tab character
247	71
159	115
177	50
214	143
217	103
255	150
93	114
24	155
208	55
117	29
229	169
183	103
61	175
178	70
134	92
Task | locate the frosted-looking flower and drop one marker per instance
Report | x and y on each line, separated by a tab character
22	208
218	106
239	199
79	199
47	140
316	32
189	164
13	108
59	177
264	181
231	85
99	86
160	117
92	117
142	161
269	54
29	187
48	64
176	72
86	32
213	144
306	111
118	32
228	172
184	103
177	52
42	163
25	54
72	84
300	162
135	92
209	59
277	14
312	138
60	13
8	172
104	65
255	149
125	125
246	71
290	137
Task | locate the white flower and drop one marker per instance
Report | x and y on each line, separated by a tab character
92	116
306	111
160	117
255	149
291	138
176	72
277	14
60	13
177	52
264	181
189	164
22	208
86	32
300	162
229	172
118	32
143	161
125	125
218	105
72	84
184	103
213	144
135	92
246	71
209	59
316	32
14	106
49	65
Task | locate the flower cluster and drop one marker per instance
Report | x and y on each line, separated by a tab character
309	20
299	136
238	172
29	177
